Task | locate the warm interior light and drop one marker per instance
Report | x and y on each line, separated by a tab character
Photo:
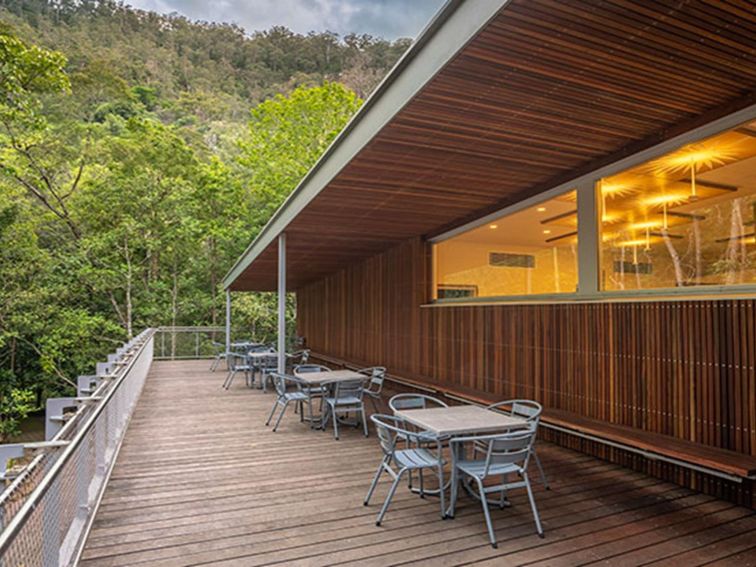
645	225
614	188
665	199
547	232
493	226
708	154
633	242
541	209
694	157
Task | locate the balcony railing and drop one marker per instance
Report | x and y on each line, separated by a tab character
53	488
183	343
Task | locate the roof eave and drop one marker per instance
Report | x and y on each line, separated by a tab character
455	24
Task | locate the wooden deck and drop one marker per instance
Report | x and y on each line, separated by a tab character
201	481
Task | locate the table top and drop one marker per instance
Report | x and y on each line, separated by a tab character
461	420
261	354
332	376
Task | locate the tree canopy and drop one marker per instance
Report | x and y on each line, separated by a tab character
139	155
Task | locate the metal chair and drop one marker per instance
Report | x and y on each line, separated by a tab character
266	367
421	457
377	376
343	398
505	455
238	362
409	401
531	411
220	354
297	358
414	401
288	389
312	390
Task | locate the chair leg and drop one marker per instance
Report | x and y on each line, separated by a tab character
364	421
335	418
486	513
441	489
272	411
454	492
214	364
280	416
536	517
373	484
389	496
544	480
229	379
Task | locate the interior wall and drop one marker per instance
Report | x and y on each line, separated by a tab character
683	368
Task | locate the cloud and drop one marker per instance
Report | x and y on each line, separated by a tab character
385	18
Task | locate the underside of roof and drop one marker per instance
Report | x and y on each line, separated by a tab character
544	92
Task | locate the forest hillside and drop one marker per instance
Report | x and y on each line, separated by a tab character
139	155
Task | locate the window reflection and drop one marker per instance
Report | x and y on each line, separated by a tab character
684	219
533	251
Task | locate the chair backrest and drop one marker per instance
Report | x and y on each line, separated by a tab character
347	389
389	429
508	448
414	401
304	368
377	377
526	409
269	362
283	382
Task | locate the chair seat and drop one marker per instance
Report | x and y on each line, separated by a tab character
349	401
478	468
415	458
296	396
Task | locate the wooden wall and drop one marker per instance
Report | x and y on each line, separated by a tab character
684	368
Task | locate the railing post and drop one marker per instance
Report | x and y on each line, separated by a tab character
282	302
228	320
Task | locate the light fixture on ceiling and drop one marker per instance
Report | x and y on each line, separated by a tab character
493	226
693	157
547	231
541	209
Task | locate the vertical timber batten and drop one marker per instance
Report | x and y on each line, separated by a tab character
683	368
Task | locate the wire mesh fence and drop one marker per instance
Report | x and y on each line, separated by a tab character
47	509
183	343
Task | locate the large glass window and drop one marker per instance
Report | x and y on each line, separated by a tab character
533	251
684	219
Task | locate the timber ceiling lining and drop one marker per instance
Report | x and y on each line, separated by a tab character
545	90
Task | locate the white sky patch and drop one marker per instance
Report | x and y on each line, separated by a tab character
385	18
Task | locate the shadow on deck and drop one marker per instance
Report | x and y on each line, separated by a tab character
200	480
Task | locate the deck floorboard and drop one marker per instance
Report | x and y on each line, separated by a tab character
200	480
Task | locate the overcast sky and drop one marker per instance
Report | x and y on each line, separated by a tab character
386	18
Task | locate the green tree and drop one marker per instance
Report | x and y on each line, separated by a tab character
286	136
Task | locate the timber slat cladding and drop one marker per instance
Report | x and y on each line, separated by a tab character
548	90
685	368
200	480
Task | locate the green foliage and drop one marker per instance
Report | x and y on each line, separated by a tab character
288	134
15	405
24	72
135	171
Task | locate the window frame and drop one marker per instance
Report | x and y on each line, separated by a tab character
588	289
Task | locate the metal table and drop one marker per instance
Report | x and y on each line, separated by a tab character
460	421
317	378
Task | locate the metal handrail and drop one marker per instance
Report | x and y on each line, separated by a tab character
33	500
199	348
